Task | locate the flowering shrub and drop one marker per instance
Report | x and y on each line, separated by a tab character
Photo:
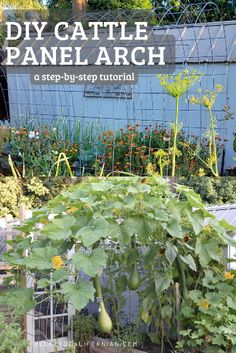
131	150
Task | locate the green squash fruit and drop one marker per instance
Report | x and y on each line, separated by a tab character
104	320
134	279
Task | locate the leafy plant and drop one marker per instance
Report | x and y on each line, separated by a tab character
208	100
118	4
176	240
210	312
12	337
130	337
176	87
214	191
83	330
33	192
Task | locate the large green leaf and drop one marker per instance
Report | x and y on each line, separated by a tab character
162	282
21	299
59	228
91	263
57	277
222	228
141	225
174	228
189	260
116	232
79	294
102	186
94	231
194	199
40	258
196	218
171	252
207	249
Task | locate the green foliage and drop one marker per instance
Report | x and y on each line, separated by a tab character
20	299
12	337
33	193
120	223
214	191
83	330
79	294
23	4
210	312
119	4
130	337
60	4
36	192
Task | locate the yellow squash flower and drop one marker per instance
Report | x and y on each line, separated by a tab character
73	209
204	304
57	262
228	275
201	172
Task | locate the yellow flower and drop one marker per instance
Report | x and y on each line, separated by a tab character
72	210
57	262
151	169
228	275
160	153
204	304
201	172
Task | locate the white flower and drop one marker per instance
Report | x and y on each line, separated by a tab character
119	220
32	134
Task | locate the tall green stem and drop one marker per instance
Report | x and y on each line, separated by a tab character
213	137
176	129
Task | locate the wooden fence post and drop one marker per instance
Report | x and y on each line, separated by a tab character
177	308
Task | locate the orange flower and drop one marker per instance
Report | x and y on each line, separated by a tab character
57	262
228	275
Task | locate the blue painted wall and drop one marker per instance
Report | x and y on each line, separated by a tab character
149	105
